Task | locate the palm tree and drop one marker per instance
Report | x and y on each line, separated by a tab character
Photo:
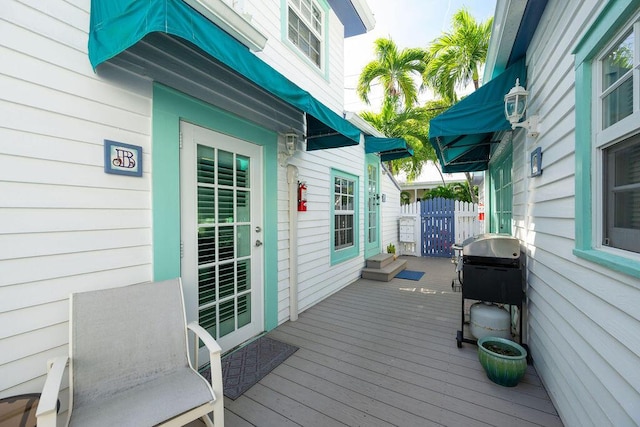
394	69
445	191
412	125
454	59
465	192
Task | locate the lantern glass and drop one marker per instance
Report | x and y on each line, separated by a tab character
290	142
515	103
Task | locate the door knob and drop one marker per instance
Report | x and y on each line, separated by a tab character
258	243
258	229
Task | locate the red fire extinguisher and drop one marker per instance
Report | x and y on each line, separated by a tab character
302	196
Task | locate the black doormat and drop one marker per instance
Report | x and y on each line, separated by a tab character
249	364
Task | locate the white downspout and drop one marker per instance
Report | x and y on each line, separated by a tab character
292	180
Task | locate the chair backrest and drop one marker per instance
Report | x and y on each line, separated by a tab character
122	337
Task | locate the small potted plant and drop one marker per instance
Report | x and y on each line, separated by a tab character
504	361
391	249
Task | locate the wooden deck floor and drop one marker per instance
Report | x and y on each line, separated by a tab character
381	354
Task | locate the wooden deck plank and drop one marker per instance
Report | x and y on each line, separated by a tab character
540	402
291	409
248	412
428	392
384	353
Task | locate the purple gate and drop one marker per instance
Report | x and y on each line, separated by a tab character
437	227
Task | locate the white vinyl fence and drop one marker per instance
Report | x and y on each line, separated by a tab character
467	224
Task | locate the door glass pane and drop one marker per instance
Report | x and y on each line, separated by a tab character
207	319
242	172
225	168
226	242
243	272
206	205
206	285
206	245
205	165
227	280
243	208
225	206
227	317
244	241
244	310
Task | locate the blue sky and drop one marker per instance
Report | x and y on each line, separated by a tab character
410	23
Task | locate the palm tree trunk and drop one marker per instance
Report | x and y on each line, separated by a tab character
439	171
474	196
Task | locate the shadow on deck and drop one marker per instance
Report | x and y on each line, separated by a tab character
384	353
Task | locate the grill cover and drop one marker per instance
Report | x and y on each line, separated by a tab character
492	245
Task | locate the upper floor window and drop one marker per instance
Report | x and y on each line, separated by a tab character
306	21
617	142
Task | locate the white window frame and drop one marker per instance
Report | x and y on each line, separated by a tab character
616	133
339	211
296	7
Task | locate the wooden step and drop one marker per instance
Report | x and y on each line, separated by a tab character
379	261
385	273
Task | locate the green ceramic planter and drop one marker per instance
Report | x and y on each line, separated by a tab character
504	361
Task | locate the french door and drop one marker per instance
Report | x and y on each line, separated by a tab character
221	220
372	210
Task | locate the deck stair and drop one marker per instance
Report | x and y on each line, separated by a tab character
383	267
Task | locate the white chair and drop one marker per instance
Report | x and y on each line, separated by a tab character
129	363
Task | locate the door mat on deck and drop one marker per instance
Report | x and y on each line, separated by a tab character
249	364
410	275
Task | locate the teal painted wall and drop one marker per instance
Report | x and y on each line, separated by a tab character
169	107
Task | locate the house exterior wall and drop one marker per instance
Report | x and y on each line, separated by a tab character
327	85
583	326
66	226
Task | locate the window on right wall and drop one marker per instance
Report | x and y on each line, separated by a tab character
607	136
617	140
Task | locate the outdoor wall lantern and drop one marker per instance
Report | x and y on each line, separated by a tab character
290	141
515	106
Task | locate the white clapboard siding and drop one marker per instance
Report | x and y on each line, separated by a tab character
583	322
65	225
280	54
317	278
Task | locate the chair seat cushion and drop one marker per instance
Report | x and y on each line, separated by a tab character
147	404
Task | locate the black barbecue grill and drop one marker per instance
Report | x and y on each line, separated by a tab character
492	272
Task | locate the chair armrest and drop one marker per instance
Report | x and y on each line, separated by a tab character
206	337
215	362
47	411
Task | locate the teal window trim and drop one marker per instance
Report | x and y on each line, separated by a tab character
613	16
169	107
344	254
284	25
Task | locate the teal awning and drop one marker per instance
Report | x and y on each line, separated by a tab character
389	148
117	25
462	135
